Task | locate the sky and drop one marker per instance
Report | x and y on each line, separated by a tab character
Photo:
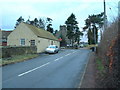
58	10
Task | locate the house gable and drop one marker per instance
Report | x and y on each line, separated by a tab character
21	32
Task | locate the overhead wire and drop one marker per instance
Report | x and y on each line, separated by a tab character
112	8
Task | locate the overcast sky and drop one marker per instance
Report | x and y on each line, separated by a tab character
58	10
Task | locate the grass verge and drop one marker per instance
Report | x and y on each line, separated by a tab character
100	66
16	59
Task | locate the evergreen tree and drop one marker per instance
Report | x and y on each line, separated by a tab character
42	23
45	23
92	23
77	36
28	21
73	32
32	23
55	32
19	20
36	22
49	28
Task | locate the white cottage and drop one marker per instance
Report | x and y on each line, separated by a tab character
29	35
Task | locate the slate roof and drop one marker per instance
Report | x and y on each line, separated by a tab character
41	33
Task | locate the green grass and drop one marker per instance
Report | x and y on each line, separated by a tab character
15	59
100	66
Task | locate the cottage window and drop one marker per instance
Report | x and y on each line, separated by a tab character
32	42
22	42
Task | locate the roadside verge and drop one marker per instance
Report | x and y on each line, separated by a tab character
16	59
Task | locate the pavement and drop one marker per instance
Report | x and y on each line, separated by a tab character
88	80
62	70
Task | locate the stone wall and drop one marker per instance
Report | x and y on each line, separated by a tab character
8	51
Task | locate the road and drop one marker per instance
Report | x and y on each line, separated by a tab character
61	70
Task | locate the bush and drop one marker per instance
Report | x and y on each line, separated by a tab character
108	52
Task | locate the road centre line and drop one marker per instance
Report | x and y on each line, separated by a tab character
62	57
33	69
58	59
42	65
74	51
68	54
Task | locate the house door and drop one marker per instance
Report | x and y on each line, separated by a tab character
51	42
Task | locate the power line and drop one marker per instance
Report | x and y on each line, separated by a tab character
112	9
115	6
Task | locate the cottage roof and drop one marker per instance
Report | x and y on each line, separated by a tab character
41	33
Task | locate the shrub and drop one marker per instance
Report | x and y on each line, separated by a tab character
108	52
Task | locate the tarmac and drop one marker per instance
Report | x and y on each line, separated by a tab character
88	80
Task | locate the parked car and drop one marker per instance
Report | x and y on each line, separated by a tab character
75	46
81	46
52	49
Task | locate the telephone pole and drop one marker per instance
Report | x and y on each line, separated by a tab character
105	17
119	10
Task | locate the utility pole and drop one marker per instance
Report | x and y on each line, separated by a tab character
119	10
105	17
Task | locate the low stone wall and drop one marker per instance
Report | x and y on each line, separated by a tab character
8	51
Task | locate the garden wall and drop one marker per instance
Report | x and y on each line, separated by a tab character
9	51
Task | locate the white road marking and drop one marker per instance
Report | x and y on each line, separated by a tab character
70	53
43	65
67	54
33	69
58	59
81	81
74	51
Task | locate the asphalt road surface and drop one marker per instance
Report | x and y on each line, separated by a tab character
61	70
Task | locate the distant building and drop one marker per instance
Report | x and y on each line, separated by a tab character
62	34
3	37
29	35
